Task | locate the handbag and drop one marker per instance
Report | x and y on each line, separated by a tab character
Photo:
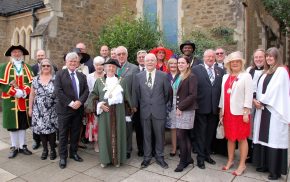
220	132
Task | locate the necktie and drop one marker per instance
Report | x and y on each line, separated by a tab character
149	83
210	75
143	69
74	84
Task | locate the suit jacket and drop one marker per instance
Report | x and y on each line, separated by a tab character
64	91
35	69
208	95
187	93
152	101
241	95
130	70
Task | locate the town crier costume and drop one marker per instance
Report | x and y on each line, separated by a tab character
15	81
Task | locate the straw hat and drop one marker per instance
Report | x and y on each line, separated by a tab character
234	56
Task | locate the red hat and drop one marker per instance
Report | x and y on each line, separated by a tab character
168	52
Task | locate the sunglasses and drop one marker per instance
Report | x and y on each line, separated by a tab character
219	53
45	66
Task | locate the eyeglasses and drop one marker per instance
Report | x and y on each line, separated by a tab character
45	66
122	53
219	53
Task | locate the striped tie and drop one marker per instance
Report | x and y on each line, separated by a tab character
210	75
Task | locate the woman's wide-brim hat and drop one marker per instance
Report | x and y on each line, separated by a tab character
188	42
168	52
234	56
13	47
113	61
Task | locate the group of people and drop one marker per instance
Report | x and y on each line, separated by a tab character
104	99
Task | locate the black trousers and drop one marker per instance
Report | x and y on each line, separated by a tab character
137	126
36	137
183	138
69	122
205	128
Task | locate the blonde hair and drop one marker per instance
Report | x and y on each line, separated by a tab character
46	60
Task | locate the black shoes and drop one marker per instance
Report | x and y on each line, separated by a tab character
140	153
273	177
261	169
52	154
35	145
128	156
162	163
179	168
76	157
44	155
210	161
145	164
200	164
62	163
13	152
172	154
25	151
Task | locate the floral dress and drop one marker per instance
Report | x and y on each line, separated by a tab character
44	117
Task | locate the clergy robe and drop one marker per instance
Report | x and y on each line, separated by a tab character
271	123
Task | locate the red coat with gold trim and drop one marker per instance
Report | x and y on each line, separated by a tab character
10	104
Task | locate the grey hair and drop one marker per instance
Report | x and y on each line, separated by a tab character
150	55
208	51
99	60
141	52
46	60
72	55
121	47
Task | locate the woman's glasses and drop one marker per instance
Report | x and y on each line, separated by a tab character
45	66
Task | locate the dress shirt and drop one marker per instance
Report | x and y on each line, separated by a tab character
141	68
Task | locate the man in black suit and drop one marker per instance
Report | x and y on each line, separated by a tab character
71	90
40	55
220	57
208	94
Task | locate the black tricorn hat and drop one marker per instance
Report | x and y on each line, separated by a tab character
188	42
13	47
113	61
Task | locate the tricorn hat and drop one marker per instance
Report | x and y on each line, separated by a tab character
113	61
188	42
13	47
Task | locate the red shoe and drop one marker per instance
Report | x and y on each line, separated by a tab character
237	173
225	168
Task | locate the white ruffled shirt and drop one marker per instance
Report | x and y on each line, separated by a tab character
113	93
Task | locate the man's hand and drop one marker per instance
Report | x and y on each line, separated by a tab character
77	104
134	109
105	108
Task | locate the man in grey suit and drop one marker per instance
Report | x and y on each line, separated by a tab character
126	73
152	93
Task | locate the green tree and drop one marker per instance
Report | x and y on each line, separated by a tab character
134	34
280	10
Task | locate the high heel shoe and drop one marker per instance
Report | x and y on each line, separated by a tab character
237	173
225	168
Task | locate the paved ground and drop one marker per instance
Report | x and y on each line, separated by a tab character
31	168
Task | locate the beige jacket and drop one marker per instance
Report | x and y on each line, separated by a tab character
241	95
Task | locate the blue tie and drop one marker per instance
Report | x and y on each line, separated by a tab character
74	84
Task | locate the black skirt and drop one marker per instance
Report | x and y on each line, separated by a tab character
274	160
23	121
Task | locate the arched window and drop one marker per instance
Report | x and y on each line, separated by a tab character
166	13
15	40
23	38
28	40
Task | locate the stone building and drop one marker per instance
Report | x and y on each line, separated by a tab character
57	25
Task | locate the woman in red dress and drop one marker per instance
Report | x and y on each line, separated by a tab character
235	104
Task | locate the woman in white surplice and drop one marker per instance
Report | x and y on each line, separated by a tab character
272	118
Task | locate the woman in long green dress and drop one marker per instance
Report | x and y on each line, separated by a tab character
107	99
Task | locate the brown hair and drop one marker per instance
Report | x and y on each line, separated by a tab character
188	71
273	51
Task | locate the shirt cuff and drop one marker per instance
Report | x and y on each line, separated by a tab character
99	109
71	104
